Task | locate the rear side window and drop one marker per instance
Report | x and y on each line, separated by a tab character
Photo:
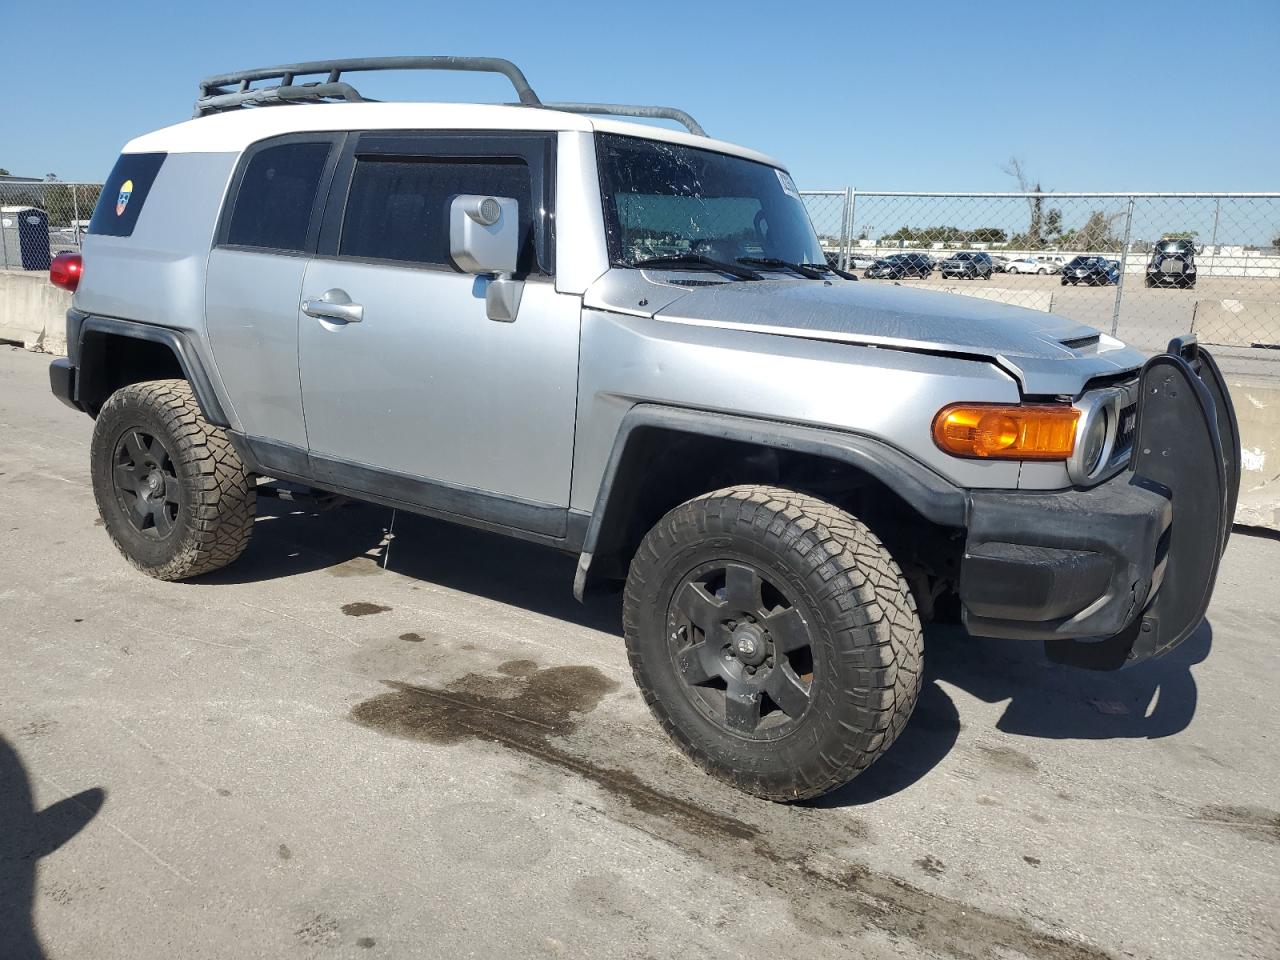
124	193
277	195
398	208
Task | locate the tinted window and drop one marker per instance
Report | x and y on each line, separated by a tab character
277	195
398	208
123	194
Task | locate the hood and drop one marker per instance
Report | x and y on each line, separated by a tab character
1049	354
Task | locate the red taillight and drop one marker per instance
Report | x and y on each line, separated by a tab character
65	271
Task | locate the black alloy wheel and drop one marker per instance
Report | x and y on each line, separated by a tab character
743	649
145	483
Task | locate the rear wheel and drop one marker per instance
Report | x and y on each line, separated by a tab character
774	638
174	496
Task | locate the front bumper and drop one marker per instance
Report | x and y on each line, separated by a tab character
1122	571
1171	278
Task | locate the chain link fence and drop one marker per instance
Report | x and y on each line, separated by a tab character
1142	266
40	219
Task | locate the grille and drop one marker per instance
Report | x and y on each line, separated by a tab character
1126	428
1171	266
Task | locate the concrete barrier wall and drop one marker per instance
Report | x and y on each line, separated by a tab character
1236	323
1257	404
33	312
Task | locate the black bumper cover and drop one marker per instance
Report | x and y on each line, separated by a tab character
1122	571
62	381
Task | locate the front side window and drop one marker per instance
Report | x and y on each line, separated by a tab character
398	207
665	200
277	195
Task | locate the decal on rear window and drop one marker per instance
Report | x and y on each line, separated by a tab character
124	193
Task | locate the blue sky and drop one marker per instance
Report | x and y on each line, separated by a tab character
908	96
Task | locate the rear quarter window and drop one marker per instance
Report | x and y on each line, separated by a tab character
124	193
276	197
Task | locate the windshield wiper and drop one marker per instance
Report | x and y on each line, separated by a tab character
812	271
696	261
804	269
842	274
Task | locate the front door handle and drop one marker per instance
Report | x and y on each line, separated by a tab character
334	305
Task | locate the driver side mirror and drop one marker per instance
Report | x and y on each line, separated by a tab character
484	239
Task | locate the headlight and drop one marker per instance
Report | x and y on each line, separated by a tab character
1096	433
1095	441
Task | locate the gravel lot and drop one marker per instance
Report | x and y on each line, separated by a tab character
327	751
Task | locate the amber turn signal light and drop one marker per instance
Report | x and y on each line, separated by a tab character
1019	432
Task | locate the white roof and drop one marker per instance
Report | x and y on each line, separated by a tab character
236	129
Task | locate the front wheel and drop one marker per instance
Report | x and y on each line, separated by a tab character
173	494
774	638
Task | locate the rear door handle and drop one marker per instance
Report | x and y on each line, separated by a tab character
334	305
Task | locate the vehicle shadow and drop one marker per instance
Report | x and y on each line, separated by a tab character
1045	701
25	836
288	540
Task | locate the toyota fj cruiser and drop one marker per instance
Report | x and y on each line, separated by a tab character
1172	263
625	342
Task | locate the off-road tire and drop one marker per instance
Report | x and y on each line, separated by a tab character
216	498
867	642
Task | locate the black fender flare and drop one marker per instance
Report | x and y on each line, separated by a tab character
930	494
84	327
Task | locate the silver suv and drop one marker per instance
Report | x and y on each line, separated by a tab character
626	342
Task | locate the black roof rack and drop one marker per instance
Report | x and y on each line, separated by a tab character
231	91
633	110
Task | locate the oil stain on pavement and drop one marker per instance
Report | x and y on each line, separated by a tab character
363	609
529	709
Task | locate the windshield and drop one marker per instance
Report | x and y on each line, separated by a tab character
1175	246
664	200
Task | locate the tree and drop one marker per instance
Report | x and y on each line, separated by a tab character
945	234
1053	223
1180	235
1014	168
1275	241
3	172
1096	234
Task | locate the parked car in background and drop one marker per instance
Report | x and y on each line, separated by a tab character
967	266
1172	264
1038	265
999	264
857	261
1092	271
900	266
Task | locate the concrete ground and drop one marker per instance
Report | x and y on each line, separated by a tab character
311	755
